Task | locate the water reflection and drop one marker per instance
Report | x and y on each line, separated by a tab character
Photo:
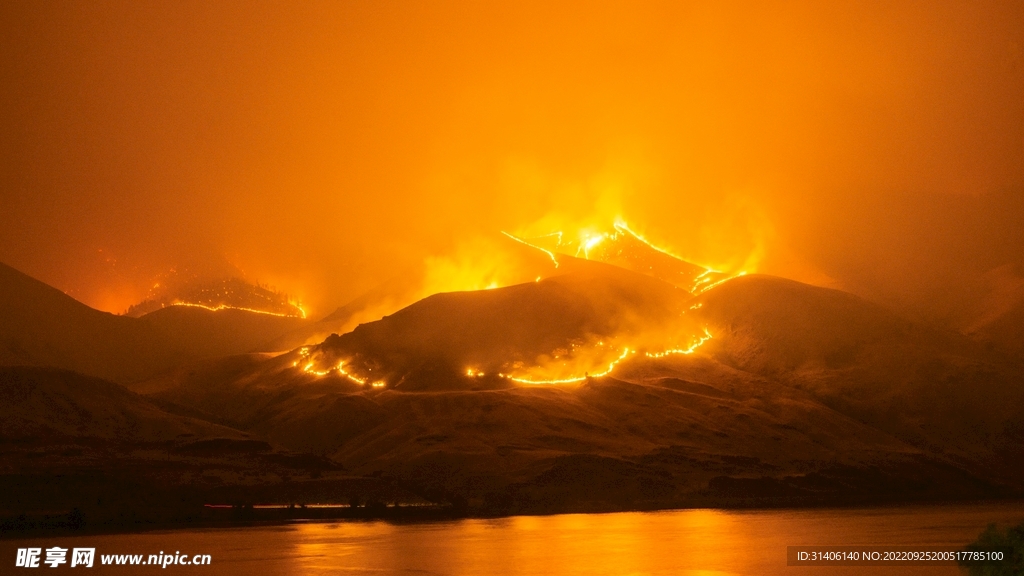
693	542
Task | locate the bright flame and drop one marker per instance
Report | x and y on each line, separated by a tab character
351	376
723	280
690	350
612	365
301	314
626	352
621	226
308	369
550	254
589	242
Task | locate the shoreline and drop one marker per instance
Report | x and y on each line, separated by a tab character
242	517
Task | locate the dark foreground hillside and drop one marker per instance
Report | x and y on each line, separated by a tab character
42	326
80	452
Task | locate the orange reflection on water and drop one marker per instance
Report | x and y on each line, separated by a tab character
689	542
630	543
676	542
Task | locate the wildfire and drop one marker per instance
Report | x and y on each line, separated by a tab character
690	350
588	244
589	241
618	246
550	254
308	368
301	311
703	278
350	376
611	366
627	352
621	226
723	280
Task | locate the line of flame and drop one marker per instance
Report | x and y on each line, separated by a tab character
308	369
219	307
690	350
700	279
548	252
611	366
723	280
626	352
621	226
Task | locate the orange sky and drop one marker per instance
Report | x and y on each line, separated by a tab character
321	146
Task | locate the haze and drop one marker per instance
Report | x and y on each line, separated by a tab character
324	147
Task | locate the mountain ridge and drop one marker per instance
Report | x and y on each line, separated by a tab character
42	326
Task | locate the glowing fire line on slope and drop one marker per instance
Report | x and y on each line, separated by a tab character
702	278
548	252
626	352
219	307
701	283
308	369
611	366
474	373
690	350
722	281
621	226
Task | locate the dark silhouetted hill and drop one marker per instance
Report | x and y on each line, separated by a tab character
933	387
41	326
38	403
81	452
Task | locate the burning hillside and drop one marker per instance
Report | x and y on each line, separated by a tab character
625	248
598	300
217	294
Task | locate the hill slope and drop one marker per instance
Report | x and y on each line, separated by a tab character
41	326
553	321
119	459
802	395
934	388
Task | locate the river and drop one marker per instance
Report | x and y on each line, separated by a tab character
688	542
